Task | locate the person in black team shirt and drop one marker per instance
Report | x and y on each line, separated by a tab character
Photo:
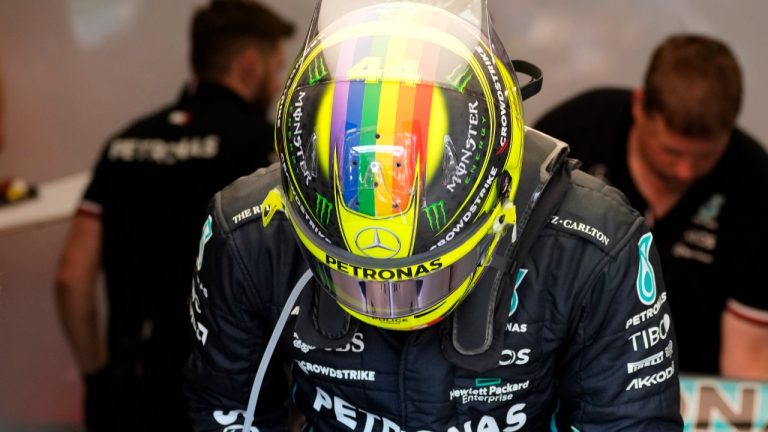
140	218
2	114
453	271
673	149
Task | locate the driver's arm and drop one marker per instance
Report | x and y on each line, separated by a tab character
76	292
231	329
620	371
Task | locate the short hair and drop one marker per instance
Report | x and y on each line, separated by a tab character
223	28
695	83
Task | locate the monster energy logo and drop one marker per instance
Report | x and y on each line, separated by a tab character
433	212
325	279
317	71
323	209
460	79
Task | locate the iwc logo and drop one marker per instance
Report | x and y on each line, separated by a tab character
378	243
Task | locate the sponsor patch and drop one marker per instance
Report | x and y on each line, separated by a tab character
511	357
487	390
646	277
355	345
204	237
580	228
649	337
652	380
343	374
648	313
648	361
515	299
351	417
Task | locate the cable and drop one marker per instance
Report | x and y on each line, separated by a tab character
262	371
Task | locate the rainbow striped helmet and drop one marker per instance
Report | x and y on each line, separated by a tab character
400	135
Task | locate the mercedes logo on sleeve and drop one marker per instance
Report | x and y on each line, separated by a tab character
377	242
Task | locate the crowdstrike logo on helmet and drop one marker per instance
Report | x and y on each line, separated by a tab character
501	94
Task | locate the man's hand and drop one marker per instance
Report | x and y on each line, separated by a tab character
76	293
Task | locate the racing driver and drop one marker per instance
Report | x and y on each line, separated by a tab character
407	266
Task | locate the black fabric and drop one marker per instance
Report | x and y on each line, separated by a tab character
710	250
327	325
477	325
568	338
152	183
97	401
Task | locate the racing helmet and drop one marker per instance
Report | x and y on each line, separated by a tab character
400	137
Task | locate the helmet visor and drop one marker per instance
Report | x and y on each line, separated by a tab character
378	293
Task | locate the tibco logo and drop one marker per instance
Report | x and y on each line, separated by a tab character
653	335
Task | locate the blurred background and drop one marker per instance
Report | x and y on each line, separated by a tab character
76	71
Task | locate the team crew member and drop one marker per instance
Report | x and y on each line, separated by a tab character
140	217
441	289
2	115
672	148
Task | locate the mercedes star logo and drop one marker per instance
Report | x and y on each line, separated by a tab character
378	242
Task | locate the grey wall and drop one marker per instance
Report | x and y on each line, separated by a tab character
586	43
77	70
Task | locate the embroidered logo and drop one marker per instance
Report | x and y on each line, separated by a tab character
646	277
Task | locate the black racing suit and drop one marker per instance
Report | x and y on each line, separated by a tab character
589	341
